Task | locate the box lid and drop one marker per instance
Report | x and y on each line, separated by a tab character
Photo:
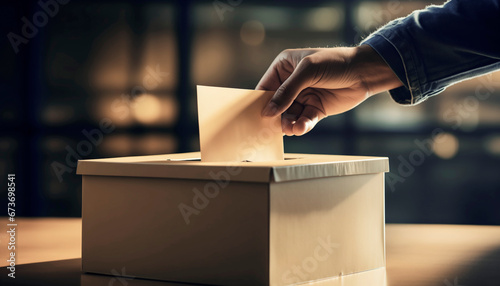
189	166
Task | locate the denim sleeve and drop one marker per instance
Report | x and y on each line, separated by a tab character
433	48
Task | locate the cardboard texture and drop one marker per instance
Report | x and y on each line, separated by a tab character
232	128
308	218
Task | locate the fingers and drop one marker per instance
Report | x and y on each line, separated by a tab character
279	70
299	119
288	91
290	117
307	120
310	116
270	80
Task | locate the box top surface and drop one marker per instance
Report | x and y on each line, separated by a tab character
189	166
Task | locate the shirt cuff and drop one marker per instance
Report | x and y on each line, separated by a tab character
391	56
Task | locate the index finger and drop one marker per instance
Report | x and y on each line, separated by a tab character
271	79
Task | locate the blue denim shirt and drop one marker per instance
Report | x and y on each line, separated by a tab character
435	47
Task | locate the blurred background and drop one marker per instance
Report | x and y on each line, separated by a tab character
128	70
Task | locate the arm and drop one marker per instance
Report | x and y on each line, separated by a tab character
414	57
433	48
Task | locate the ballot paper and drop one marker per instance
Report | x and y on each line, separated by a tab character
232	128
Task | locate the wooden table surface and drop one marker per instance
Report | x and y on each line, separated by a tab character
417	255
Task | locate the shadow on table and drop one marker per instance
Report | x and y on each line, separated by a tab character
68	273
485	271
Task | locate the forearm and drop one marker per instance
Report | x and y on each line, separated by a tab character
373	71
438	46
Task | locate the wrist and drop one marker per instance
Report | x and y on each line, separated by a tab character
374	73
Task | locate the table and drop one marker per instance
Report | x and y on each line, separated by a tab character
48	253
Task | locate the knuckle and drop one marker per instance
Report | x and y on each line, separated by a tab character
288	53
283	97
282	56
307	61
308	66
280	94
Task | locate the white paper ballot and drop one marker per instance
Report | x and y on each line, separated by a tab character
232	128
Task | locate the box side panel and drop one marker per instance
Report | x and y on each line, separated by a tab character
178	230
326	227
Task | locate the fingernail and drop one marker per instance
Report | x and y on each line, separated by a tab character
270	110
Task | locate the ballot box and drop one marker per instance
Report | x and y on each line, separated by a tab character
175	218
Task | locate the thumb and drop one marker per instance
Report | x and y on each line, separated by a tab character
288	91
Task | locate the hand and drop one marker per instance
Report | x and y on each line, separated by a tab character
312	84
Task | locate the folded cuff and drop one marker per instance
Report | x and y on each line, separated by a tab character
393	58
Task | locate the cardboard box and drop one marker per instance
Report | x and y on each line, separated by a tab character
173	217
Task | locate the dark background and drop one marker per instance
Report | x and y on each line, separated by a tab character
89	63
